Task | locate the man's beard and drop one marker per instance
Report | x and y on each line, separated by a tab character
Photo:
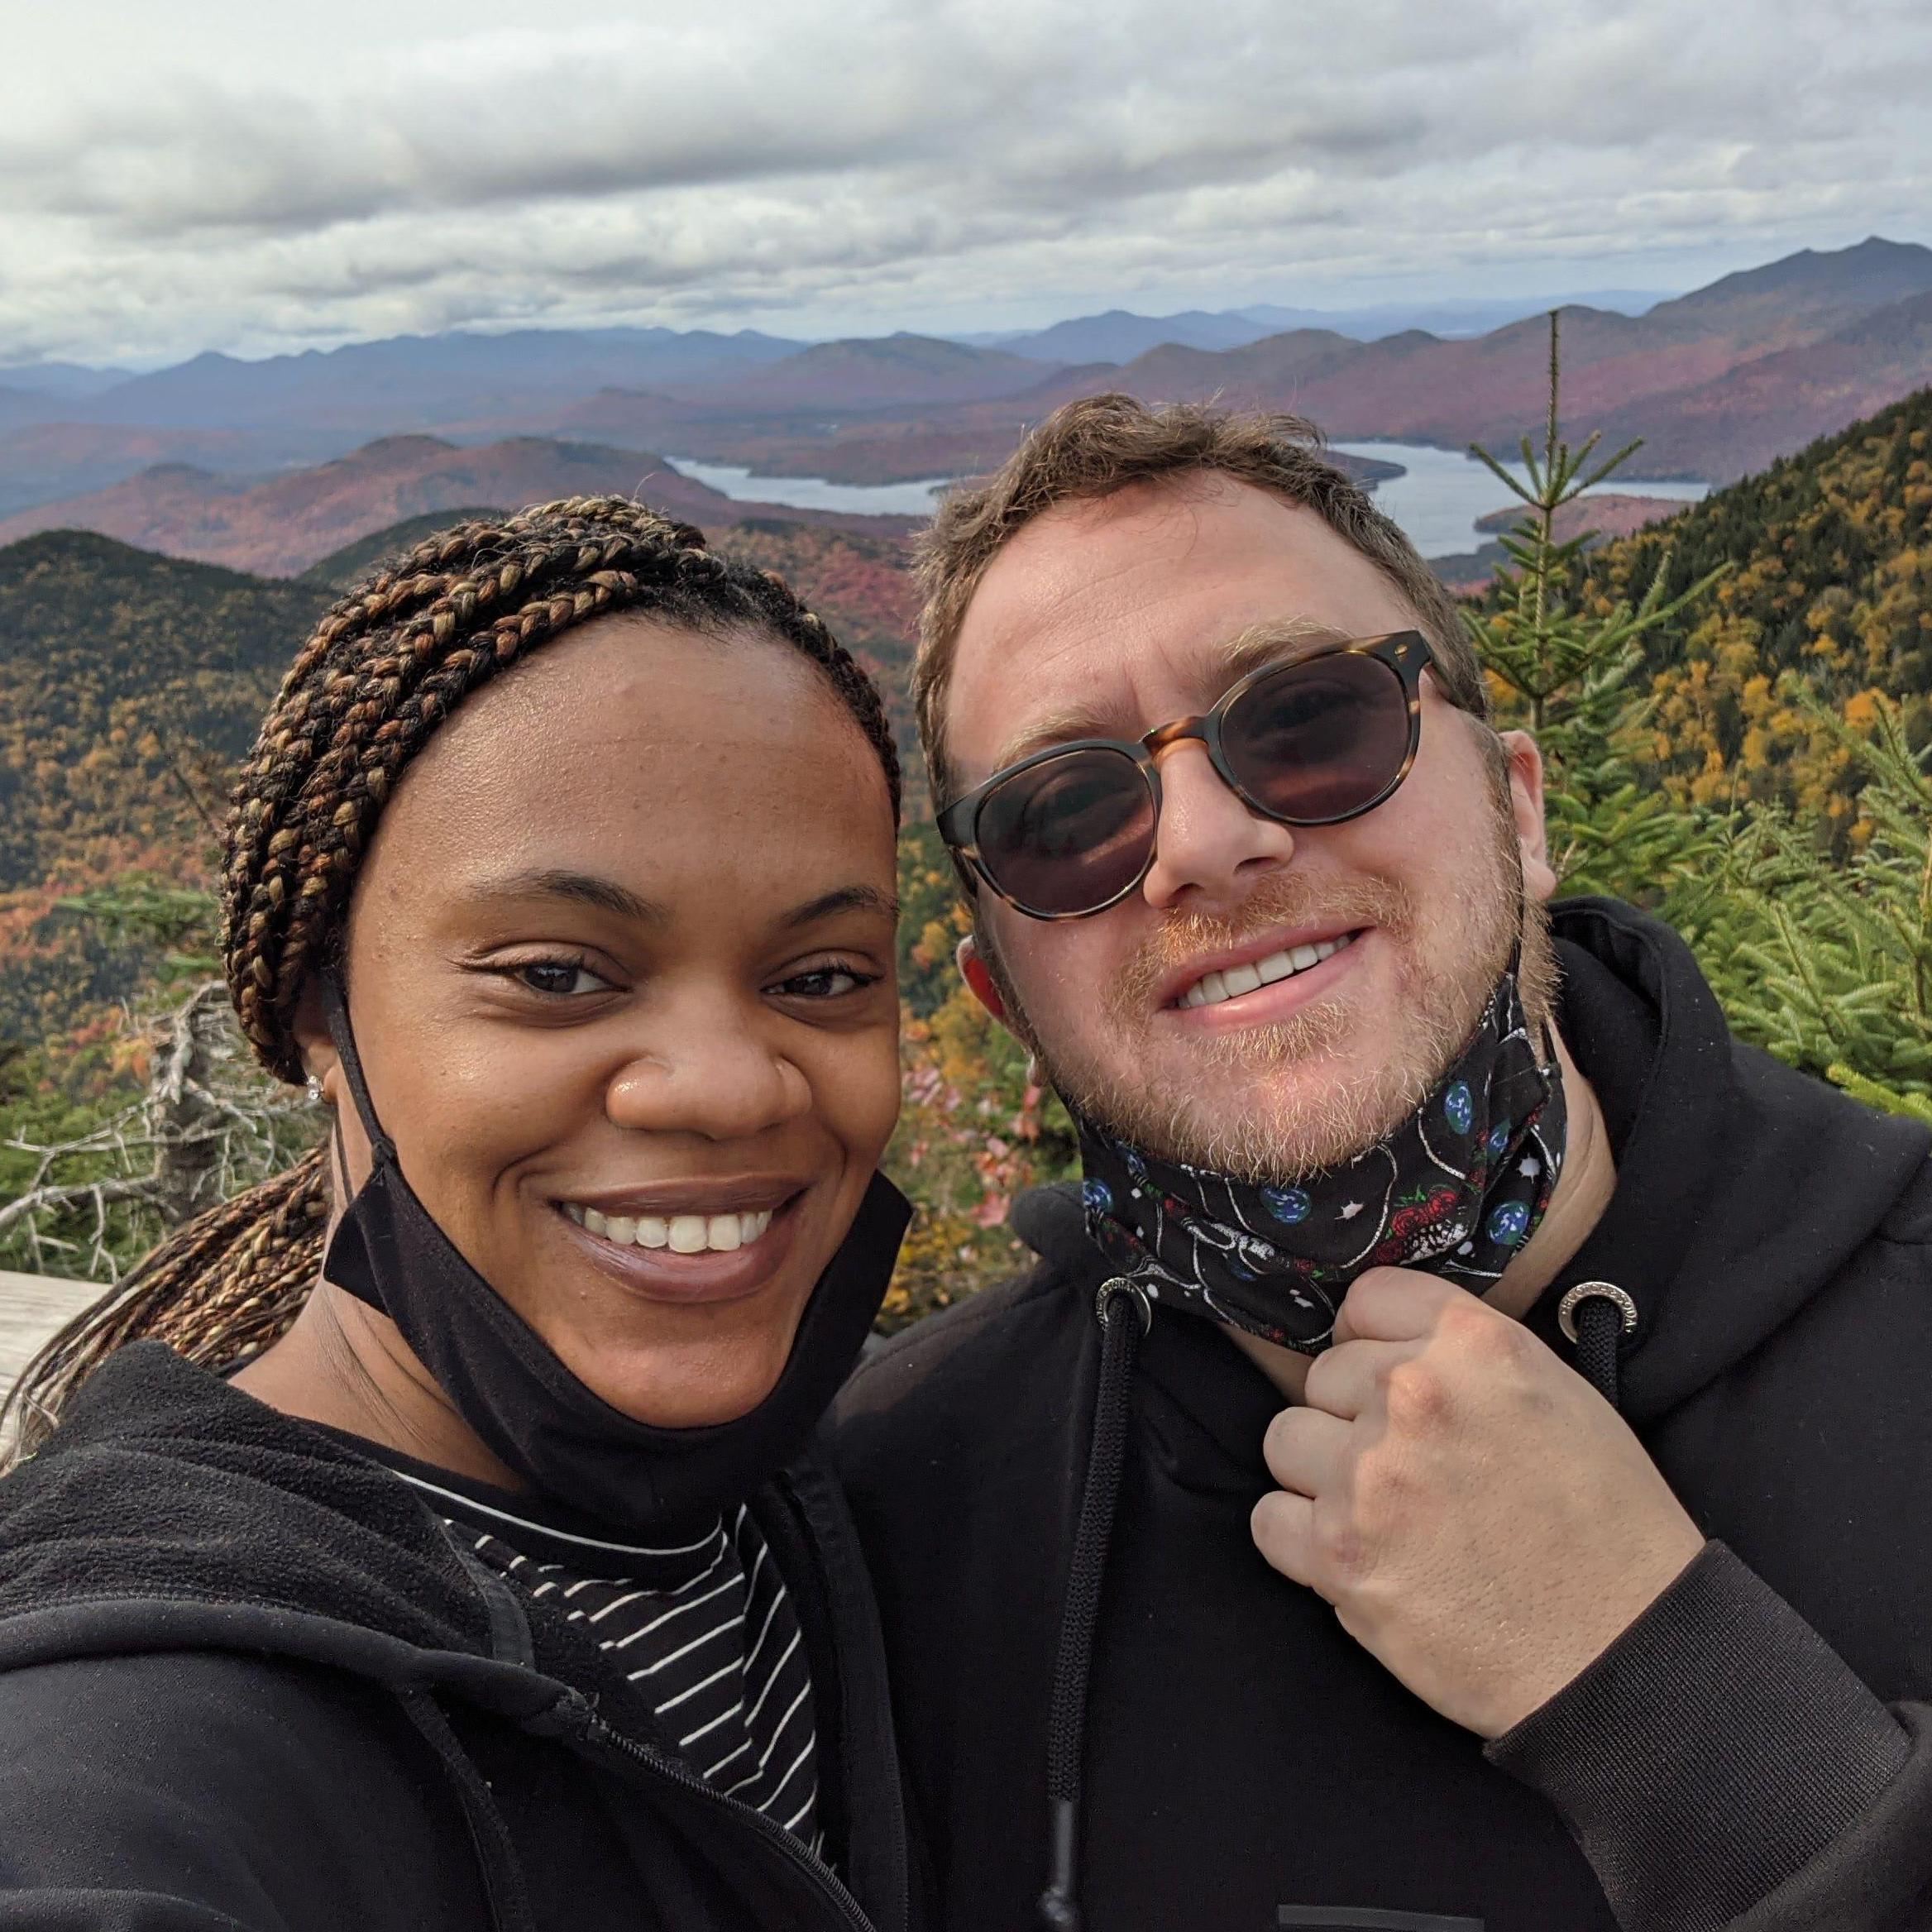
1347	1100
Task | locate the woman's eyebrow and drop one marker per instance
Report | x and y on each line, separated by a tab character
844	899
585	888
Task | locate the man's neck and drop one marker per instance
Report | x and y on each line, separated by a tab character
1577	1203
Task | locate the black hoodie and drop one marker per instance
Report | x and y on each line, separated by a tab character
248	1680
1752	1753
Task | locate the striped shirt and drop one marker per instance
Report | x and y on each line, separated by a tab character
704	1628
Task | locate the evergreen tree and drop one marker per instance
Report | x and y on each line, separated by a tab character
1569	673
1827	964
1840	975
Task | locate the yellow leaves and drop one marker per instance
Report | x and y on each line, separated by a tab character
1860	710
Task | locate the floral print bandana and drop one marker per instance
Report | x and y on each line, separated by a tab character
1455	1190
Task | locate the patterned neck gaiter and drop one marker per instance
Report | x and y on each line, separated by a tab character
1455	1190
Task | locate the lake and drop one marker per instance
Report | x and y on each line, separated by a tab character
1436	500
876	500
1442	492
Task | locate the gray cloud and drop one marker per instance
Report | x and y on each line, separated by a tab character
883	161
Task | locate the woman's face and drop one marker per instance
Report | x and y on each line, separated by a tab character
620	970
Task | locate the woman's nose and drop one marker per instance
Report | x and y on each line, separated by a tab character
717	1074
1210	849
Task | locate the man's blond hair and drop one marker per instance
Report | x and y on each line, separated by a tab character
1091	448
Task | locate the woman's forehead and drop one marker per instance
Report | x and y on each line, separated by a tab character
645	745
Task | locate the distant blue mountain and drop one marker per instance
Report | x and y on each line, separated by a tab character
1119	335
60	378
407	381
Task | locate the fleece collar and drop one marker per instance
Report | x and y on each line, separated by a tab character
1742	1188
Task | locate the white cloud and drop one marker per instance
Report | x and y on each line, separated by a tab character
877	163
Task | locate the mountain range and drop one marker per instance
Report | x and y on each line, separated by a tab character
283	526
1119	335
1717	382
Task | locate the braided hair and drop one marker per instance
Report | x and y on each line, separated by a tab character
386	665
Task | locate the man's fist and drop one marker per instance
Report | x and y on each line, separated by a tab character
1483	1522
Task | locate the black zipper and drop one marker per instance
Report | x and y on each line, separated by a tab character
596	1730
811	1549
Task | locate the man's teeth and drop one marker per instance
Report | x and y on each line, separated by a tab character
683	1234
1213	988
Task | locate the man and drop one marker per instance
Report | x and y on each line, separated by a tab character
1401	1622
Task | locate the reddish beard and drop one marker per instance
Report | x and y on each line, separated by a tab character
1351	1091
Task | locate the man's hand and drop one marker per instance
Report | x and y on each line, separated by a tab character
1483	1522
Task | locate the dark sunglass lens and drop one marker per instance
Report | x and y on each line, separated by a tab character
1069	834
1320	740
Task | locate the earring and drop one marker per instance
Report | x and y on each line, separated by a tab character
315	1088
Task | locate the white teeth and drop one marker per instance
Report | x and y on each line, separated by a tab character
683	1234
1212	989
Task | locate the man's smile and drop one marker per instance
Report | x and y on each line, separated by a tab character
1228	982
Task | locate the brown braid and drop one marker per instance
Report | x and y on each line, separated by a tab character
386	665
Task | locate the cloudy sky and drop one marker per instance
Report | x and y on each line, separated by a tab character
256	177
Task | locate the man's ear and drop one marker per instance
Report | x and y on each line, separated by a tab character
972	970
1525	775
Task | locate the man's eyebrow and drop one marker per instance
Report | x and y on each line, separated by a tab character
1277	640
843	899
585	888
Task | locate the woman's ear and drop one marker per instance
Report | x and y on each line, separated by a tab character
1525	775
320	1060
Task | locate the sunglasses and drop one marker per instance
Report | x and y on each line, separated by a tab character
1071	830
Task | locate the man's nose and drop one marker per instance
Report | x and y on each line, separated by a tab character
1210	849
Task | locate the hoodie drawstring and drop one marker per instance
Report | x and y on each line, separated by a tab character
1125	1315
502	1875
1594	1318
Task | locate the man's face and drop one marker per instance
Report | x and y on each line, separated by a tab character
1110	618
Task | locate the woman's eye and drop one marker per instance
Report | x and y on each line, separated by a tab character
825	983
559	978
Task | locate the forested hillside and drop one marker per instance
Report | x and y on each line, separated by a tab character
119	670
1829	584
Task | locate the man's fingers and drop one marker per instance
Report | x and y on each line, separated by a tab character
1392	1304
1346	1380
1283	1527
1305	1449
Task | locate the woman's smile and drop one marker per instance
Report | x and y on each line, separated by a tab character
698	1245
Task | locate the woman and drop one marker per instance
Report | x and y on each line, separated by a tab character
498	1589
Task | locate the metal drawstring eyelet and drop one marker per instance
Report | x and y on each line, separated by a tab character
1120	1284
1584	1291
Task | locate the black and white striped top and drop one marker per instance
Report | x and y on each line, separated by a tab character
704	1630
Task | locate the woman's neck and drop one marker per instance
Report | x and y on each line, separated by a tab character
344	1364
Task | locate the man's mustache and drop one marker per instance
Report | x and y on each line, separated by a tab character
1284	900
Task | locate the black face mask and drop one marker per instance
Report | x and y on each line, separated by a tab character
534	1414
1455	1190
